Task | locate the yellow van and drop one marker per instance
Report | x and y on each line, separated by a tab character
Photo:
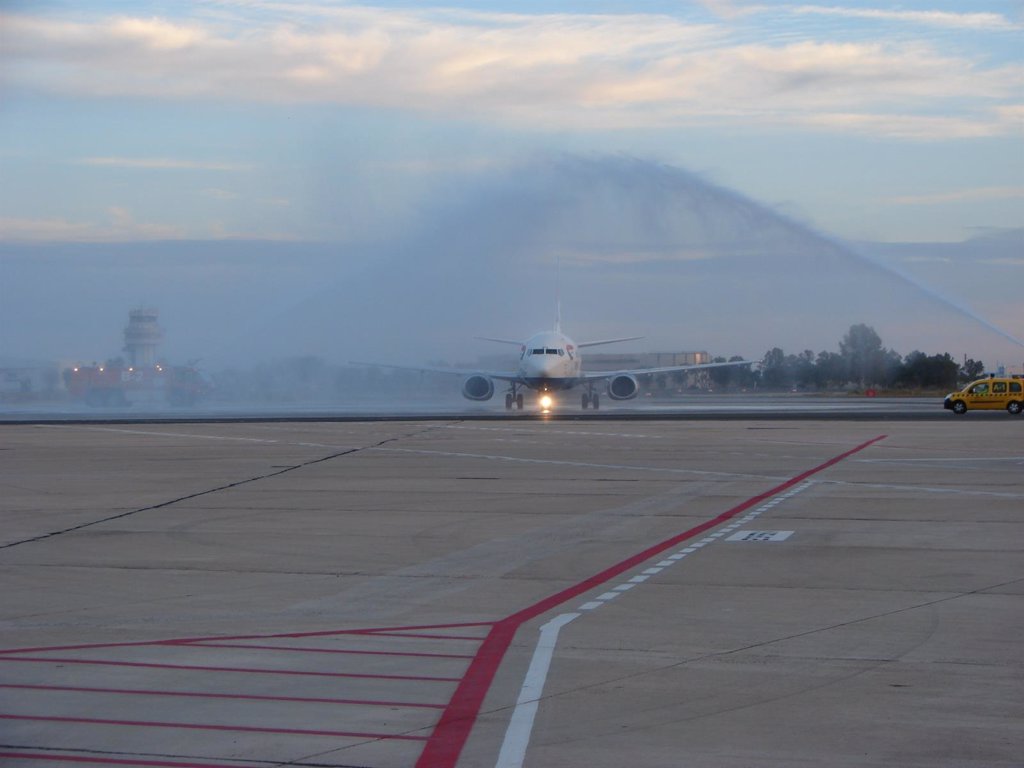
993	393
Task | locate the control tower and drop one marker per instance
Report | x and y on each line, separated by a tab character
141	337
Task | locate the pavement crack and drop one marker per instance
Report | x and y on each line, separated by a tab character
225	487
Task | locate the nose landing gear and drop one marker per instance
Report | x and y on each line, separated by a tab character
514	397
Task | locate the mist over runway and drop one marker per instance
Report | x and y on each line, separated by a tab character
639	248
739	407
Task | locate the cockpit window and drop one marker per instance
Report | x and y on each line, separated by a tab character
536	351
550	351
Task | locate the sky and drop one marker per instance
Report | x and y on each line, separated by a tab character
313	122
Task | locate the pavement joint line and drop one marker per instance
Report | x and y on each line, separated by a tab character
555	432
582	464
226	486
926	489
958	460
158	434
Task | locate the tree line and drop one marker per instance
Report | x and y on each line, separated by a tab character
862	362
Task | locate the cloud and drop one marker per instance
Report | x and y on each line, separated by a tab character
958	196
122	227
163	163
218	194
549	71
951	20
912	127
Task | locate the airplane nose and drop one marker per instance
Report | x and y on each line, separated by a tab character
542	367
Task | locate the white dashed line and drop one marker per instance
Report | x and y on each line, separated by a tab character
695	547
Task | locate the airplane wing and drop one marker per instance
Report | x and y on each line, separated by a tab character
499	341
598	375
499	375
606	341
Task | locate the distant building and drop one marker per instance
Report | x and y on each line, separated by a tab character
142	335
28	379
615	361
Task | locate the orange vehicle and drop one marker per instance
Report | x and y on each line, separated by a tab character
993	393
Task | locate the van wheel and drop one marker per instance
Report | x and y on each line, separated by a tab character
959	407
1013	407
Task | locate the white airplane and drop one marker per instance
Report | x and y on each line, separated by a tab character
549	362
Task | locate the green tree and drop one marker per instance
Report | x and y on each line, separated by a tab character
971	370
775	372
867	361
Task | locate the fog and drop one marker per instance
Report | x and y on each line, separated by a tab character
635	248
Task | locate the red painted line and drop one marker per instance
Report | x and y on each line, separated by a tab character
151	665
114	760
450	734
433	637
238	696
207	727
292	635
333	650
82	647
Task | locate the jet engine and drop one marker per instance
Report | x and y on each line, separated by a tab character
623	387
478	388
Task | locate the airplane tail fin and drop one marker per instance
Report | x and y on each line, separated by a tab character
558	296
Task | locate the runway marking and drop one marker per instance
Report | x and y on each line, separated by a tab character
117	707
742	535
451	732
231	696
242	670
520	734
520	727
342	651
760	535
49	757
211	727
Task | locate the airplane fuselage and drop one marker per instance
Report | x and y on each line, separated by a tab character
549	361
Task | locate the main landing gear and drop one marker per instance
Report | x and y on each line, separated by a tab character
513	397
591	398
